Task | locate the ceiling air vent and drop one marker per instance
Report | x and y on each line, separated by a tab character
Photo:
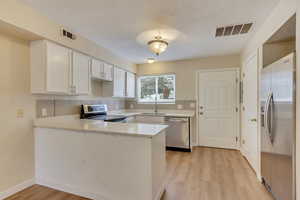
68	34
233	30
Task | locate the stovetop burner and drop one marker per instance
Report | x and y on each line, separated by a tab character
99	112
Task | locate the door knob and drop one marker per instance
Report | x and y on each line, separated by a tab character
253	120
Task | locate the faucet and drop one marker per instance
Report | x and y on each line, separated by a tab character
155	105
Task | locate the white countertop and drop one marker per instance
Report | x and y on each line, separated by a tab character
166	113
72	122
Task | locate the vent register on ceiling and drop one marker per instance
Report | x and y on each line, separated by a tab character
233	30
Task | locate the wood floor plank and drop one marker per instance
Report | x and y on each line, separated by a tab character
204	174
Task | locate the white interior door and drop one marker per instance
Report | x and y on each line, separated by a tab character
249	112
218	108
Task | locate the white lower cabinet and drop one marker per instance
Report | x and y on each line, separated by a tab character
58	70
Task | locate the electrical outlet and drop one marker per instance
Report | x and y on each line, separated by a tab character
20	113
192	105
44	112
179	106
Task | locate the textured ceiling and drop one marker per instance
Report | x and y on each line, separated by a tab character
117	24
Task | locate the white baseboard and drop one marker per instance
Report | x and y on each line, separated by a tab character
16	189
69	189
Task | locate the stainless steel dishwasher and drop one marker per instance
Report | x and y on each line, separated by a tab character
178	133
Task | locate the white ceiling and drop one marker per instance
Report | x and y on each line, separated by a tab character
117	24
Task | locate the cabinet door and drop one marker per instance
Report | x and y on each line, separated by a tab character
96	69
107	68
119	82
58	68
81	75
130	85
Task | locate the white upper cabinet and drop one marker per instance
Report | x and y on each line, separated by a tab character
130	85
96	69
108	72
55	70
50	68
81	74
123	84
119	82
101	70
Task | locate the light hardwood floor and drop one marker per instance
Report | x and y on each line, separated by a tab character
205	174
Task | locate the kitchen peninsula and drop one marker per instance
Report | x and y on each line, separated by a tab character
101	160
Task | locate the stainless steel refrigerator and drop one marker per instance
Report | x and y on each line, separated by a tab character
278	110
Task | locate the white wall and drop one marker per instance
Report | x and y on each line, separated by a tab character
25	19
16	135
283	11
185	71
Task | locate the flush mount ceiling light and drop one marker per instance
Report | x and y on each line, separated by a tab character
158	45
150	60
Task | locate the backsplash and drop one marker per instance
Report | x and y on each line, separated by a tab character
179	105
58	107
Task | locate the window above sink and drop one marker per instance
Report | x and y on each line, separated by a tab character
158	88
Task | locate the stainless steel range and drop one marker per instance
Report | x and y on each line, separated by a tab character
99	112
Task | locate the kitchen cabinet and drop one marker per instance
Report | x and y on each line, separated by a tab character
58	70
107	72
50	68
81	74
117	166
96	69
119	82
101	70
123	84
130	85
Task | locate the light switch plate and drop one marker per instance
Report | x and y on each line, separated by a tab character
131	106
20	113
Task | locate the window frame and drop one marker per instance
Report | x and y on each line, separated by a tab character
161	101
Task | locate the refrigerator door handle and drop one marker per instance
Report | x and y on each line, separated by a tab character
271	118
266	117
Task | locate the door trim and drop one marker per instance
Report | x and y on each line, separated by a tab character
258	54
238	113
